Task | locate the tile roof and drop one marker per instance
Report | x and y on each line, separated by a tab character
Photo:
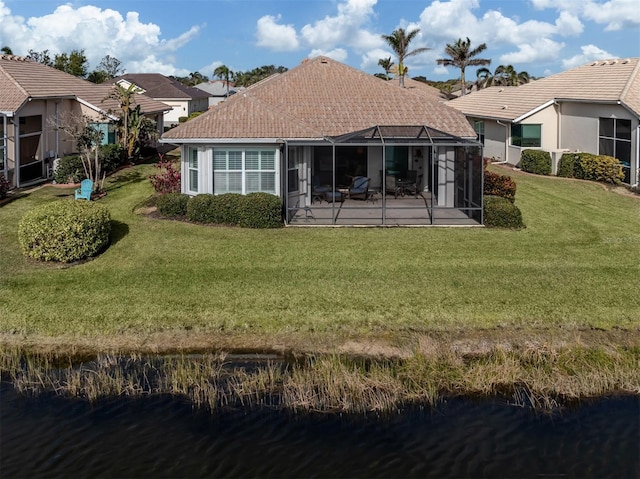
21	79
161	87
218	87
600	81
319	98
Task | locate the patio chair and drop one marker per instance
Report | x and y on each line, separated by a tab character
85	190
318	191
359	187
391	186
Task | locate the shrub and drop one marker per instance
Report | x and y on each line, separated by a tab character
260	210
4	187
173	205
167	180
201	208
499	185
601	168
65	231
69	170
228	206
112	157
567	165
536	161
502	213
587	166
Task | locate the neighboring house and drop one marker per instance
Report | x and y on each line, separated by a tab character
182	99
218	90
594	108
33	98
305	134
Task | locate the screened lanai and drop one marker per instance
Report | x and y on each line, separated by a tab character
384	176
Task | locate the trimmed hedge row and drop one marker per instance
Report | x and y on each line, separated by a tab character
501	213
587	166
499	185
536	161
65	231
255	210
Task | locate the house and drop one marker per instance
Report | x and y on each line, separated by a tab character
218	90
183	100
594	108
305	135
33	99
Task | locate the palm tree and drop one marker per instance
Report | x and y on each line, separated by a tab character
461	56
399	41
223	72
6	50
503	76
386	64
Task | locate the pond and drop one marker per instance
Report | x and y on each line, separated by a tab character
164	436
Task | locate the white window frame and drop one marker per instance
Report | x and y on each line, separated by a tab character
189	169
244	170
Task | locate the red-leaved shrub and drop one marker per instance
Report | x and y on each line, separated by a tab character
168	179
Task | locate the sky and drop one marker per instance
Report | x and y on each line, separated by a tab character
178	37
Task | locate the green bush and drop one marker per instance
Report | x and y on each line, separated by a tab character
567	164
112	157
173	205
536	161
502	213
69	170
499	185
201	208
261	210
65	231
587	166
228	207
601	168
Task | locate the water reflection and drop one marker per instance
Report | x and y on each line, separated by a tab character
164	437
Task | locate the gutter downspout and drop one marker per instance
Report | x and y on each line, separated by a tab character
506	144
637	168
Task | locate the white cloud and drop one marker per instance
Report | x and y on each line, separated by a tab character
542	50
344	28
338	54
139	46
589	54
275	36
617	14
371	58
568	24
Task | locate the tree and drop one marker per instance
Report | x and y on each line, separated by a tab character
125	98
257	74
88	139
223	72
40	57
75	63
108	68
386	64
399	41
503	76
6	50
461	56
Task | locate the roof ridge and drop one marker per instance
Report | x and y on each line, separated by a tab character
630	81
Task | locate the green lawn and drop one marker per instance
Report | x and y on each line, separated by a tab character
575	266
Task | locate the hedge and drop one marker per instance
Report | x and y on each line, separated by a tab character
201	209
501	213
65	231
261	210
499	185
536	161
173	205
587	166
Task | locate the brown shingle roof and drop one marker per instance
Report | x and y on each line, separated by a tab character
21	79
601	81
160	86
319	98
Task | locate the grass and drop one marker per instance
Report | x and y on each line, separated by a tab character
479	304
574	266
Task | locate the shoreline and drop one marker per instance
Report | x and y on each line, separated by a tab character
545	370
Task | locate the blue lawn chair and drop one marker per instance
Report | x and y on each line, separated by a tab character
85	190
